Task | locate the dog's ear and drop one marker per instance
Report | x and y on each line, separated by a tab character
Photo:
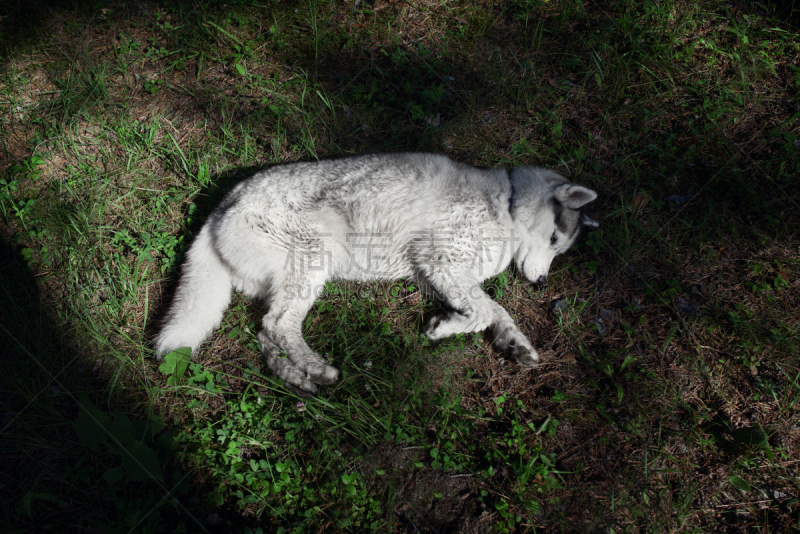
586	221
574	196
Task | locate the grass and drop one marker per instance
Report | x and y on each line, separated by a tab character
668	398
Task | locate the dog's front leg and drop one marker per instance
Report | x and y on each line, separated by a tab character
509	339
474	311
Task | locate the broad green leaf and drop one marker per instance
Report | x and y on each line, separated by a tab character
146	429
140	462
93	426
29	497
628	361
753	435
166	443
114	475
739	483
122	429
176	362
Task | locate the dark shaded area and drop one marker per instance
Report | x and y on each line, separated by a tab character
51	479
786	10
20	22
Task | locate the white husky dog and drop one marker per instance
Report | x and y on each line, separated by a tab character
284	232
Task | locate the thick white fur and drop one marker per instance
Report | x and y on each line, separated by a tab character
281	234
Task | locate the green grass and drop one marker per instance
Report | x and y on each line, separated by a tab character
668	398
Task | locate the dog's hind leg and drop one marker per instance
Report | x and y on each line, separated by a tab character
284	369
282	330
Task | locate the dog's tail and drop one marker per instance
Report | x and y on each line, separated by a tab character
203	293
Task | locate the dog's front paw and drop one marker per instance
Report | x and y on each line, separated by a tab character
322	373
516	345
434	329
525	357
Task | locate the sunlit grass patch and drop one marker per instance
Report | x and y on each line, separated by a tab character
668	393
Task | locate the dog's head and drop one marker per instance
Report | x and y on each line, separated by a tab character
546	210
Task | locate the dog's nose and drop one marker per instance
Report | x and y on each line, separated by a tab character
542	280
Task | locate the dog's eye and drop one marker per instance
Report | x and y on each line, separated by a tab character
553	239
